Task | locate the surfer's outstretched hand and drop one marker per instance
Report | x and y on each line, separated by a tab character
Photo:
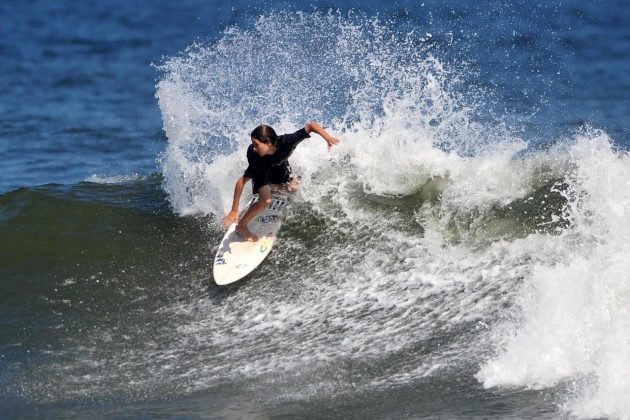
331	141
315	127
232	217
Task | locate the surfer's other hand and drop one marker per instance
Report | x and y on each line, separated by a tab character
232	217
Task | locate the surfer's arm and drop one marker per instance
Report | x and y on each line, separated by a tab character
232	216
315	127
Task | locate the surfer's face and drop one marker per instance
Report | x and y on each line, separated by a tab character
263	149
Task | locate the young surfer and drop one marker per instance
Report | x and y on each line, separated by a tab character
268	165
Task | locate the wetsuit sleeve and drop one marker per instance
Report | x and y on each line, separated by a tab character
294	138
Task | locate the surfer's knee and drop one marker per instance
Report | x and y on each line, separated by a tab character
263	203
292	185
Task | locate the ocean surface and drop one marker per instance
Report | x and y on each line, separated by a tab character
462	253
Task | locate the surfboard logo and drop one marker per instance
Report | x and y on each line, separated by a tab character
265	244
277	204
269	219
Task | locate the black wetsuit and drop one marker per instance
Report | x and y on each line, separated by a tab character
273	169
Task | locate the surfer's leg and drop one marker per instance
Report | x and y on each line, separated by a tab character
264	200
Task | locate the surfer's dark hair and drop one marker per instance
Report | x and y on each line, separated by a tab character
265	134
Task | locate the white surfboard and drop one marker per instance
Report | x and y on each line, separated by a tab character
237	257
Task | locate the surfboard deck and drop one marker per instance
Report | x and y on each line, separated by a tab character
237	257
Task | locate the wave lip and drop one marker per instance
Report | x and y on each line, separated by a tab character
373	87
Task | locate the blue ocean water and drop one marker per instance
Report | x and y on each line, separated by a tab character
460	254
78	86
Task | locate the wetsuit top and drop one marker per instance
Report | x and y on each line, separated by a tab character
260	165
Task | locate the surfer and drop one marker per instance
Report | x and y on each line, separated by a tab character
267	157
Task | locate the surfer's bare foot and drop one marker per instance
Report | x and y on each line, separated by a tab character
245	233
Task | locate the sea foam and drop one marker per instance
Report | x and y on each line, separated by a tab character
574	314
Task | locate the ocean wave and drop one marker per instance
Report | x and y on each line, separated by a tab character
431	244
448	189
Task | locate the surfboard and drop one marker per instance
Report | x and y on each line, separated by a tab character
237	257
